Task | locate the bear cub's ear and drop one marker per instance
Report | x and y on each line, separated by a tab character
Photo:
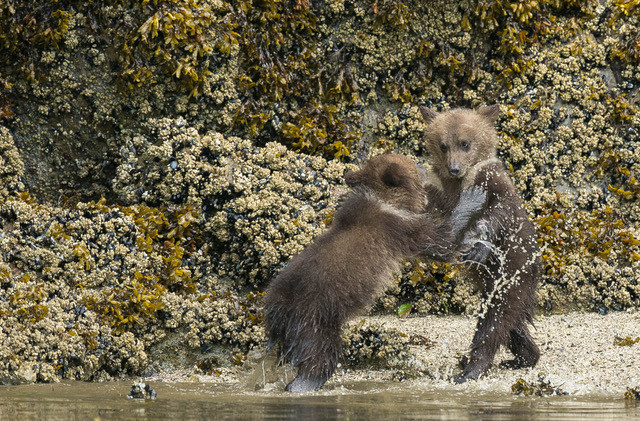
428	114
490	112
394	175
353	178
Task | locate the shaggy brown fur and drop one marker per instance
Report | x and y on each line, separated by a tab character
342	271
504	255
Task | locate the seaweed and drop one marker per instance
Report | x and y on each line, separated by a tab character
626	341
170	232
281	62
627	47
632	393
316	127
180	36
522	24
540	388
125	307
595	233
392	13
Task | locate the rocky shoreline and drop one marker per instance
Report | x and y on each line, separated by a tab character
161	161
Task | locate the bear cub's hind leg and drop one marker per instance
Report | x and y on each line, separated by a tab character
525	351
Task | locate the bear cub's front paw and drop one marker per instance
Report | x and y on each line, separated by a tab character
478	253
476	246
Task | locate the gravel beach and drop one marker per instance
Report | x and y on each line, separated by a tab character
578	353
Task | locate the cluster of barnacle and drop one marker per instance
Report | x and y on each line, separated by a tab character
141	268
11	165
399	130
67	276
374	346
568	236
50	263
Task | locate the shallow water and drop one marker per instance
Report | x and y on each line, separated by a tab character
108	401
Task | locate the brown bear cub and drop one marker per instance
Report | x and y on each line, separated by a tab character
503	257
337	276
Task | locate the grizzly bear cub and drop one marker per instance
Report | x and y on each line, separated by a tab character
504	255
381	222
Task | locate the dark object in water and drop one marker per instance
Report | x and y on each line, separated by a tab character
141	391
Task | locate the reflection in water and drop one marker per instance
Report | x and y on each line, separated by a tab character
108	401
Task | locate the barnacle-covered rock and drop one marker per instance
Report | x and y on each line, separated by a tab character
260	205
89	290
375	346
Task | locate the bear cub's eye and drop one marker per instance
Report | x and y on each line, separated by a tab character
443	147
464	145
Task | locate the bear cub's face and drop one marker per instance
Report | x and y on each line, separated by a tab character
394	179
460	138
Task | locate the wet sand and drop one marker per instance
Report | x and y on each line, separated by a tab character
578	356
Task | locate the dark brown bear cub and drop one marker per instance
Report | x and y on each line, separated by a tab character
381	222
504	257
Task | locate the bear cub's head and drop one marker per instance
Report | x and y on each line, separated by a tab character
394	179
460	138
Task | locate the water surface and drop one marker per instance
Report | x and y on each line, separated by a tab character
366	401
